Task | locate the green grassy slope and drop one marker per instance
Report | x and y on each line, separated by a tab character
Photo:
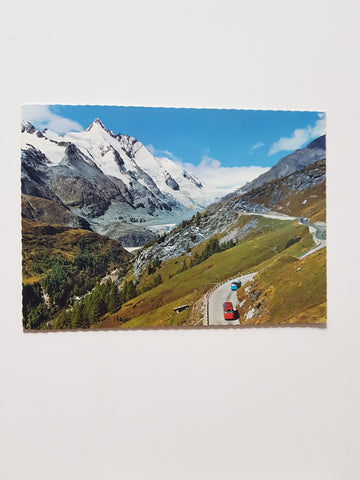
289	290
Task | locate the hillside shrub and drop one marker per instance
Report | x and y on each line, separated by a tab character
292	241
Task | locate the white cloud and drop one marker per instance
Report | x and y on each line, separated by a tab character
151	149
224	178
208	162
42	117
299	137
257	145
210	171
162	153
171	155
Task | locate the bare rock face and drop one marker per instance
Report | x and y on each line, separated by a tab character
171	182
79	193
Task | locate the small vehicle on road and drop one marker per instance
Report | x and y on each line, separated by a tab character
235	285
228	309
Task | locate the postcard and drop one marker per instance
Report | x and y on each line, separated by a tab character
143	217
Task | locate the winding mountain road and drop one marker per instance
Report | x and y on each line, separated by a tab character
224	294
318	231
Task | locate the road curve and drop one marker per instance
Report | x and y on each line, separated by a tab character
224	294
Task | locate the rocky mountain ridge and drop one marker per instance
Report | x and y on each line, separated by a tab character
301	158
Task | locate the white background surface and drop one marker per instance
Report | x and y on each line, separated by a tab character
270	403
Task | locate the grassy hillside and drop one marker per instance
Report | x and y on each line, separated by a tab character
288	290
60	263
42	242
185	284
309	203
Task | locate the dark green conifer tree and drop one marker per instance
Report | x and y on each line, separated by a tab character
76	317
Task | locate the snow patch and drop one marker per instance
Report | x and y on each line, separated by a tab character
131	249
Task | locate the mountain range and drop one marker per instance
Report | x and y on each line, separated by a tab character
108	183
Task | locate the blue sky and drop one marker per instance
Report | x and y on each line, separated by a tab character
223	147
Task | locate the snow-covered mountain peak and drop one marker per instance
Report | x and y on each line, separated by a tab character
31	138
97	123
